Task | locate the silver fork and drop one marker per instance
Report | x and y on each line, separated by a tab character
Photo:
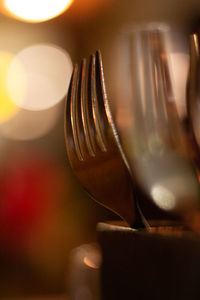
92	143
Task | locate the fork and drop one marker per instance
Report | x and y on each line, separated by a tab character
93	146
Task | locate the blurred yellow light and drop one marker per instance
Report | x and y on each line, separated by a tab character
37	10
7	107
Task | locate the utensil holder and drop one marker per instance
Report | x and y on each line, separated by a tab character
161	264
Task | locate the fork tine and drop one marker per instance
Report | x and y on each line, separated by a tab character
100	87
105	109
140	220
95	105
71	111
89	141
102	94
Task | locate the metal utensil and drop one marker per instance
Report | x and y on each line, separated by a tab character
155	144
92	143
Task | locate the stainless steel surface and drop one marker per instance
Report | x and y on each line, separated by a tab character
155	145
92	143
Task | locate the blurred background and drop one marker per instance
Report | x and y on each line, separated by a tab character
44	213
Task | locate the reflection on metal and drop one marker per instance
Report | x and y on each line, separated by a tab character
36	10
44	79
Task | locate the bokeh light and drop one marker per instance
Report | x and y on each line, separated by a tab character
37	10
29	125
7	107
47	71
163	197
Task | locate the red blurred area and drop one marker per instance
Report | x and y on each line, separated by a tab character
28	189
